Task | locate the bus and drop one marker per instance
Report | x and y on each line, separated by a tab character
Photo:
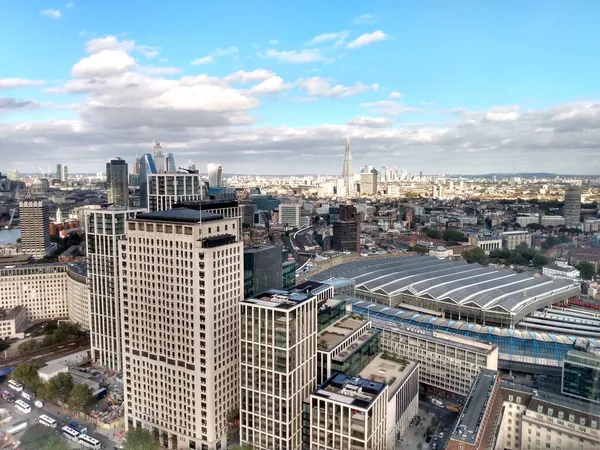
70	434
14	385
25	408
28	395
89	442
47	421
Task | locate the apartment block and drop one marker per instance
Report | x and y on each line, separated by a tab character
448	362
182	272
165	190
104	228
278	366
35	227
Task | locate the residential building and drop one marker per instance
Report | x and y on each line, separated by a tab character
262	269
105	227
345	346
288	274
78	295
481	414
581	373
182	272
539	420
347	413
448	362
165	190
117	182
512	239
572	208
215	175
556	271
330	312
346	230
35	227
289	215
147	168
278	366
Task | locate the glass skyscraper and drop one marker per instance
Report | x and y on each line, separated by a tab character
117	182
147	167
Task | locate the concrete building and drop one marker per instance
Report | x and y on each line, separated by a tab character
104	229
278	367
13	323
78	295
447	362
572	208
346	230
215	175
180	335
347	413
564	272
539	420
167	189
368	182
262	269
512	239
117	182
289	215
476	426
581	373
35	227
440	252
485	241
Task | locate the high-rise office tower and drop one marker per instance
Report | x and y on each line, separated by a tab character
171	167
368	182
215	174
572	208
136	166
346	230
159	157
65	174
59	172
147	167
278	367
289	215
117	182
104	229
166	189
262	269
35	227
182	282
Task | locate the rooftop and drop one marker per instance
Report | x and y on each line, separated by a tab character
7	314
389	370
184	215
337	332
277	298
467	425
351	391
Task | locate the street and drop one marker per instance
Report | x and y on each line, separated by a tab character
433	421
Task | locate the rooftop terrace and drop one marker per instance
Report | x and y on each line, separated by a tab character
184	215
388	370
277	298
336	333
349	390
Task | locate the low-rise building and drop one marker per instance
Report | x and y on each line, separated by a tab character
440	252
13	323
555	271
512	239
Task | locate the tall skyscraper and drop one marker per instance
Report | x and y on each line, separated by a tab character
278	367
182	283
171	167
136	167
65	174
159	157
59	172
104	229
147	167
215	175
167	189
347	171
35	227
117	182
346	230
368	182
572	208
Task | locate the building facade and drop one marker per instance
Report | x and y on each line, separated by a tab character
164	190
182	282
35	227
289	215
572	208
117	182
278	367
512	239
215	175
581	374
147	168
346	230
104	229
262	269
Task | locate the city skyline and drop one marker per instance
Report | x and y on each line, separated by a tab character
443	90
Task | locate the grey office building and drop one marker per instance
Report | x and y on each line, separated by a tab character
262	269
572	208
117	182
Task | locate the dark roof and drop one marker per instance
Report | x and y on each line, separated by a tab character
186	215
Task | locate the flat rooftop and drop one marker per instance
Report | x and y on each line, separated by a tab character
392	372
352	391
467	426
277	298
337	332
183	215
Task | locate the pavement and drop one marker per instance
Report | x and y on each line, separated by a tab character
416	436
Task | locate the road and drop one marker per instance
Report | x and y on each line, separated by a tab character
48	353
443	419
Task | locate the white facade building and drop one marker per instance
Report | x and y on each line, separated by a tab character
289	214
278	367
35	227
440	252
166	189
182	274
561	272
215	175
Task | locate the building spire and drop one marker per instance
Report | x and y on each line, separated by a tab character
347	172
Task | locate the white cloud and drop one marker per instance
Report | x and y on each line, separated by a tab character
103	64
395	95
366	19
13	83
150	70
273	42
109	42
367	38
225	51
389	107
11	104
321	87
244	77
296	57
270	86
52	13
205	60
339	38
370	122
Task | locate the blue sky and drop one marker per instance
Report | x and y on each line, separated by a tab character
497	67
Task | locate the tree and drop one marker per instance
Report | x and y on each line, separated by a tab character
80	398
27	373
540	260
60	386
453	236
431	233
140	439
28	346
39	437
586	270
475	255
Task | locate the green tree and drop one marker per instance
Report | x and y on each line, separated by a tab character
475	255
586	269
540	260
140	439
39	437
60	386
27	373
28	346
453	236
80	398
432	233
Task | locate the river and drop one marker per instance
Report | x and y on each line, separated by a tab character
9	236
